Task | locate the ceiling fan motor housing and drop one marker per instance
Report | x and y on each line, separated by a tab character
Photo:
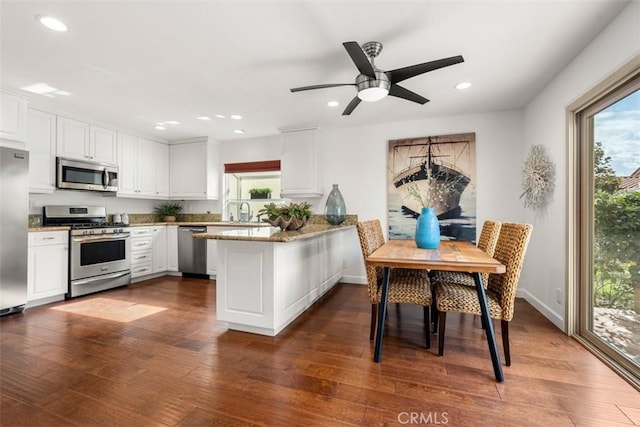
381	82
372	49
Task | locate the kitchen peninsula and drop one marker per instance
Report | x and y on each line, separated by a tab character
266	277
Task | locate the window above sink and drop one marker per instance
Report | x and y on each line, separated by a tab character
248	187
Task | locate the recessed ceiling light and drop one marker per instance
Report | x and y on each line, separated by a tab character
52	23
238	131
39	88
463	85
220	116
171	122
236	116
333	104
203	118
160	127
63	93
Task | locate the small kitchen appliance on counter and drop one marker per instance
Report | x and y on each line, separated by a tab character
99	251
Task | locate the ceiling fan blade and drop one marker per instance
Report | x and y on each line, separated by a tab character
400	92
404	73
352	106
298	89
359	58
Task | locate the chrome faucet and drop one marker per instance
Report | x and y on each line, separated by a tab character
244	216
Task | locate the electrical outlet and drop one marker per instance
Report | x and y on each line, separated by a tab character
559	296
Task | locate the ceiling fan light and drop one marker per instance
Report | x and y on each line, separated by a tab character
372	94
372	90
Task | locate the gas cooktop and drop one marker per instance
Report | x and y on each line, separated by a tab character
83	220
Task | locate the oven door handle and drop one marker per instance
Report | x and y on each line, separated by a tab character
100	278
102	238
105	178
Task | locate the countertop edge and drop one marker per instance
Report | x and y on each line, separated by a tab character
278	237
41	229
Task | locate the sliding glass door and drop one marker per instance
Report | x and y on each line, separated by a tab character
609	285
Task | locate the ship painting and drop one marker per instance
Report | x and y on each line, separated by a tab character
436	168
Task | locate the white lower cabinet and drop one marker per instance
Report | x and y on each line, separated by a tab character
172	248
141	251
212	257
159	249
149	254
47	277
261	287
212	251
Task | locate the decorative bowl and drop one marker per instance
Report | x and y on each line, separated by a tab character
291	223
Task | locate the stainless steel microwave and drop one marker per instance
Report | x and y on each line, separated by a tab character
82	175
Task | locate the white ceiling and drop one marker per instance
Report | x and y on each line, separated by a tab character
134	63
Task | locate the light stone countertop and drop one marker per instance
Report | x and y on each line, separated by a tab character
151	224
57	228
201	223
272	234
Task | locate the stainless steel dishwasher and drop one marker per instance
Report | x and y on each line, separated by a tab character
192	253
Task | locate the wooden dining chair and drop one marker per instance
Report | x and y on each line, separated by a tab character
406	286
487	242
501	290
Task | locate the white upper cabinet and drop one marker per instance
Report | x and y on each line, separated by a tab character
80	140
161	168
143	168
13	116
73	139
300	172
103	145
146	166
194	170
127	165
41	143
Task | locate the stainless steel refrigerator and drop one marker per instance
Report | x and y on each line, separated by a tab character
14	226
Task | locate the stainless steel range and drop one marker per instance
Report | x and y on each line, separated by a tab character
100	251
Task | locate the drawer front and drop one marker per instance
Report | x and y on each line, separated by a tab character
45	238
141	270
141	232
140	243
140	257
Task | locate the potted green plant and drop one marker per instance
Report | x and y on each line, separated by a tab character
260	193
290	216
168	211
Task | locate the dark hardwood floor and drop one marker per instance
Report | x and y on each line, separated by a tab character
181	366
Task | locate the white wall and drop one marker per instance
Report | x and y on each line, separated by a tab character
355	158
545	123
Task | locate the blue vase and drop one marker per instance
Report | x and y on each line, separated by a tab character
335	211
427	229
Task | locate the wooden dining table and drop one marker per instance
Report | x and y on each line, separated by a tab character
450	256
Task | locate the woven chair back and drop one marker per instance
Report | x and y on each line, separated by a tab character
510	250
489	236
488	240
371	238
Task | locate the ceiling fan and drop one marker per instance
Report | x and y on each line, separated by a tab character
373	83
